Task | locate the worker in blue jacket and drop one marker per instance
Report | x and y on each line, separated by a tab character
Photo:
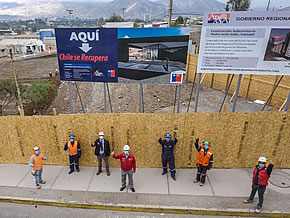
168	155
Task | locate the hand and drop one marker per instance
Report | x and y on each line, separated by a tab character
134	171
271	162
113	153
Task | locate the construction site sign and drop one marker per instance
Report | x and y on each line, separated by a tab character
245	43
87	54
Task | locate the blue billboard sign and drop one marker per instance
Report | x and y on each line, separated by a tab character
87	54
127	33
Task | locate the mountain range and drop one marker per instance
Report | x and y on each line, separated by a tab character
88	9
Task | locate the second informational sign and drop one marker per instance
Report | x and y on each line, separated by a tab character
245	43
87	54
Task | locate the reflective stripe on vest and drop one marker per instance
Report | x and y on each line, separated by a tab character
73	150
37	163
203	159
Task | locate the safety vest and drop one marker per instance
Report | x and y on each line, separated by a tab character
203	159
263	177
73	150
37	162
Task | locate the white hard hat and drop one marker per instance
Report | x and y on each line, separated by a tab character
101	133
262	159
126	148
35	148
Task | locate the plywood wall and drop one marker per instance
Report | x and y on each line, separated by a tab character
238	139
252	86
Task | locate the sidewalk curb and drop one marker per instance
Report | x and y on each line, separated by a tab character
144	208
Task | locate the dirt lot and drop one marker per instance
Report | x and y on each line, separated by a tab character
124	96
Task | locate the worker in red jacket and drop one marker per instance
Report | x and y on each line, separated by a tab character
261	176
128	166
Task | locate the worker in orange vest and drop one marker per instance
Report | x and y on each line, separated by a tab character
74	150
36	163
204	161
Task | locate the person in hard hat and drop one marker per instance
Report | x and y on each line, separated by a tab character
74	149
168	155
102	151
128	166
35	163
204	161
261	176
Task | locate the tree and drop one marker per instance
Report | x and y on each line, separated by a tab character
239	5
38	91
115	18
8	93
178	21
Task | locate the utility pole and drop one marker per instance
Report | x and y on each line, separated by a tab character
268	5
170	13
70	12
123	9
16	81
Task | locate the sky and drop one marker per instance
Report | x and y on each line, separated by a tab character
263	3
255	3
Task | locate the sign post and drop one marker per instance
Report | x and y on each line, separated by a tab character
177	78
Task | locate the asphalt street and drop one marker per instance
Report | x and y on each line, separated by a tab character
10	210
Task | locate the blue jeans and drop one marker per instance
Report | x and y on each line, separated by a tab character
38	176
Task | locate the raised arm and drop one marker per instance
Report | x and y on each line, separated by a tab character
65	147
197	145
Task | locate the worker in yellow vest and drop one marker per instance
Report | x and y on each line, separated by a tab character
36	163
204	161
74	150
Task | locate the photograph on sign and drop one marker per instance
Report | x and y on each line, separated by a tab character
245	43
87	54
278	48
149	55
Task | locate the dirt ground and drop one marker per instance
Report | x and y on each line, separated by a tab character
124	96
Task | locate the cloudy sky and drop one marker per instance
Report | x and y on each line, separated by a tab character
255	3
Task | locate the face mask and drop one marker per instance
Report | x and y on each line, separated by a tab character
206	147
101	137
72	140
126	153
261	165
167	139
36	152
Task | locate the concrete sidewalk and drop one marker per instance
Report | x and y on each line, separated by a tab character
223	192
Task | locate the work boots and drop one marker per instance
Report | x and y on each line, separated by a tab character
99	172
38	186
42	182
108	173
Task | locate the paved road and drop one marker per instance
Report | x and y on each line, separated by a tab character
9	210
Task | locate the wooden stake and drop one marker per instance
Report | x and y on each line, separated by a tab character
137	108
54	111
16	81
172	109
21	112
282	106
212	80
224	108
249	84
274	84
202	78
93	110
274	108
